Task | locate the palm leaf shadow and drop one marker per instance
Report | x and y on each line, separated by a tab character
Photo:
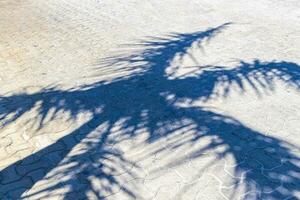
138	99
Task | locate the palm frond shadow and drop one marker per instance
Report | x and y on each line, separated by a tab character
270	169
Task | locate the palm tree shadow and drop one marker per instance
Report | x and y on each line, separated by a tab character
139	100
265	167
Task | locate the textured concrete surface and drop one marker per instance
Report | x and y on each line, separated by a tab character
147	99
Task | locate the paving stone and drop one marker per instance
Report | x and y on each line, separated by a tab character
142	100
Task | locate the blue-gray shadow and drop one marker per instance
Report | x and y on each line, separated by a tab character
131	97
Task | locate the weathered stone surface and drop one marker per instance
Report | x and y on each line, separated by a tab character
128	100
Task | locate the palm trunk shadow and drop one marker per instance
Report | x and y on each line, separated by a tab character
35	167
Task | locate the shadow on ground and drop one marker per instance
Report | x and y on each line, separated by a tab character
147	99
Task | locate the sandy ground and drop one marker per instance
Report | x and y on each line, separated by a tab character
149	99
